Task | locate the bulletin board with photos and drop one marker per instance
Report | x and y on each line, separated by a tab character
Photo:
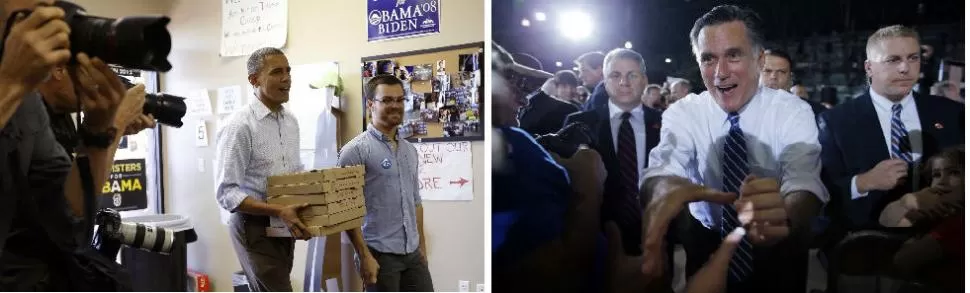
443	91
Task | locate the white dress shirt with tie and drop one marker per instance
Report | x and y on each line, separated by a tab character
780	133
639	132
910	118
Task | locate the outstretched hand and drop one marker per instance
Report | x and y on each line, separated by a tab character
712	277
661	211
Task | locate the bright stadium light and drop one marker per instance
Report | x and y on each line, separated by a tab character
628	45
541	16
668	60
575	25
558	64
526	22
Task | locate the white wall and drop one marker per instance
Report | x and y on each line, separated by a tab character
318	31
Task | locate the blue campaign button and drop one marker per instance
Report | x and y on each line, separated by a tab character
386	163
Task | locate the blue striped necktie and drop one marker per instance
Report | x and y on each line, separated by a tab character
900	140
735	167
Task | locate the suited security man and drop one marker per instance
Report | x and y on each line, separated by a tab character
623	133
872	144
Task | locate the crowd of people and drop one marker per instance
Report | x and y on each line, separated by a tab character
746	176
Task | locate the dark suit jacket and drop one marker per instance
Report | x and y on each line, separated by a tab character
852	143
598	121
598	98
544	114
817	108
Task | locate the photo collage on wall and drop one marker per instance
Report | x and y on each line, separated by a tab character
443	99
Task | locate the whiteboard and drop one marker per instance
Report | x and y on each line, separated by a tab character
307	103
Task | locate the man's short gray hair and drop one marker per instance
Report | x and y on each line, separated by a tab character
889	32
621	53
257	58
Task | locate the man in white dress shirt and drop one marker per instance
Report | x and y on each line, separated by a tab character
259	141
741	155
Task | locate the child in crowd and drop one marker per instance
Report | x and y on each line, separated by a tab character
935	255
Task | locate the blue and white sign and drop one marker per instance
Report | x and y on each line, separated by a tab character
394	19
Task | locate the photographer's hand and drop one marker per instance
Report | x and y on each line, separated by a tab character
36	44
141	122
129	116
101	93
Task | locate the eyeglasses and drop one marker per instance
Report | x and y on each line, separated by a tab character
391	101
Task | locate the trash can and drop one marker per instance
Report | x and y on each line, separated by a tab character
158	272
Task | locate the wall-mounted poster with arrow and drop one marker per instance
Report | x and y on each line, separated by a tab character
445	170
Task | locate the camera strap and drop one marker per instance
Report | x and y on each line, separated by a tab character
87	184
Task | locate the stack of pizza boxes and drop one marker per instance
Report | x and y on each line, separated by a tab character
335	196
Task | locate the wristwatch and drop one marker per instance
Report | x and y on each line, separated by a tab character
102	139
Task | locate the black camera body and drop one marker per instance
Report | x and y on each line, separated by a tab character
567	140
167	109
137	42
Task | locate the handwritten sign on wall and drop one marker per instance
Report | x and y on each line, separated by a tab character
248	25
229	99
445	170
198	103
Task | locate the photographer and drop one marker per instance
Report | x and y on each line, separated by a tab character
39	236
60	99
545	213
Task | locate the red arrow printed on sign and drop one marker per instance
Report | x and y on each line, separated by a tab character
460	182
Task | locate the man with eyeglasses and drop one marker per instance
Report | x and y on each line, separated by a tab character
623	133
390	246
873	145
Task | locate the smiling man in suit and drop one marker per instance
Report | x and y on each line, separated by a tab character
872	145
623	133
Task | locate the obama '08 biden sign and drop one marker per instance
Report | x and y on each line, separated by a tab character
395	19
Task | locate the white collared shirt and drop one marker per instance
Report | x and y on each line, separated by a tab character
781	138
639	132
256	143
910	117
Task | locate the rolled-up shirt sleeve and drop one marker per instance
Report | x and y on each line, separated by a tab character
800	161
675	150
234	151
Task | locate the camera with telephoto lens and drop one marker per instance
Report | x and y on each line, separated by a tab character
137	42
567	140
112	233
167	109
